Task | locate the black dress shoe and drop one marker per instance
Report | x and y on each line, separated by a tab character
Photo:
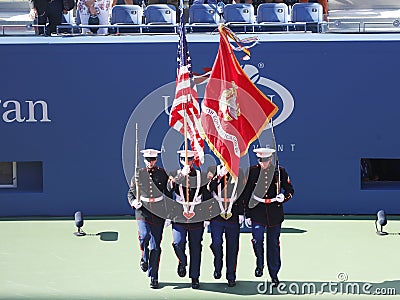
231	282
217	275
275	282
144	265
195	283
154	283
258	272
181	270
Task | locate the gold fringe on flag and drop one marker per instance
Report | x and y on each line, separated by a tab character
223	29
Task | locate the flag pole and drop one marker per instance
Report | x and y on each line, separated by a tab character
186	151
185	105
225	196
137	163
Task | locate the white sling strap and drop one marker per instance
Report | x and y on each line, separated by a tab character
189	207
220	199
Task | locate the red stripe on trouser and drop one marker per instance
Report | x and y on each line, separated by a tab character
140	244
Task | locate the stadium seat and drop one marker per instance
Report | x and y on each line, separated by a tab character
236	16
269	15
126	15
309	13
203	17
160	18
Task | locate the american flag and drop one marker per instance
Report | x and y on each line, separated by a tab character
186	104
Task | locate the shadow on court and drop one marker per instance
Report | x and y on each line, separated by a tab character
284	230
292	230
106	236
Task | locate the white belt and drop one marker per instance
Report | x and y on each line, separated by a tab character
145	199
262	200
182	201
220	199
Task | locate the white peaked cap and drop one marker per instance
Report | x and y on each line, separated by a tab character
190	153
150	152
264	152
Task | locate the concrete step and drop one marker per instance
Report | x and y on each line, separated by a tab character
14	13
20	19
14	6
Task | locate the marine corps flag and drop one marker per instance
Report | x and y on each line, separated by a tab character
234	110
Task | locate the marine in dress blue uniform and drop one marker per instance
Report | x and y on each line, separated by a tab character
152	182
268	213
190	229
228	192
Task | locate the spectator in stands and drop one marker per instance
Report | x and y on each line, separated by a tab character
47	10
94	12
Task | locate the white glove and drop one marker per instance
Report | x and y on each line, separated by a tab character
185	170
241	219
222	171
280	198
136	204
206	223
248	222
167	223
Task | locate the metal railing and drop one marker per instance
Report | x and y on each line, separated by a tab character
158	28
148	28
363	27
141	28
28	28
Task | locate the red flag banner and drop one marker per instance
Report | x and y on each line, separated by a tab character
234	110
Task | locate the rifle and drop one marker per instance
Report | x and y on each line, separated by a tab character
277	170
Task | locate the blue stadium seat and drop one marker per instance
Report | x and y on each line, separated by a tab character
268	14
203	17
236	16
126	15
160	18
309	13
273	12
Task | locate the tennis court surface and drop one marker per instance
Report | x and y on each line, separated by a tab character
323	257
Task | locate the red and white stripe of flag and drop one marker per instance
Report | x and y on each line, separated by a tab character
186	101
